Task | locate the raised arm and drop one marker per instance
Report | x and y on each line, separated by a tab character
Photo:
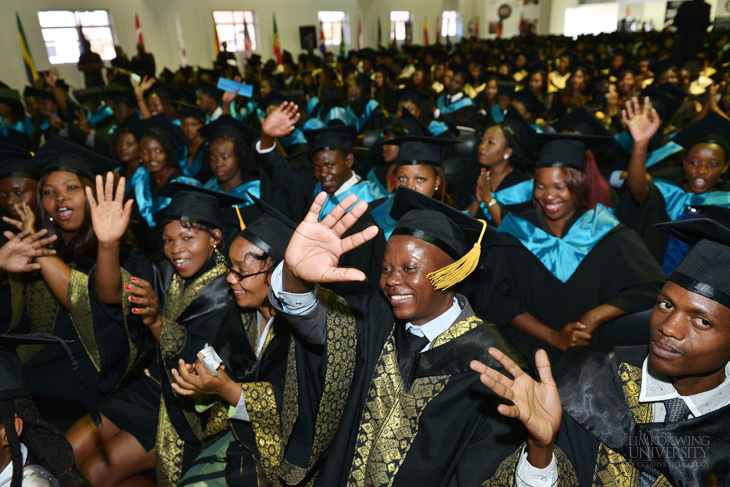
535	404
642	122
279	123
139	89
315	249
17	254
110	217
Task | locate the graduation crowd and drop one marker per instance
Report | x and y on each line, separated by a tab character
496	262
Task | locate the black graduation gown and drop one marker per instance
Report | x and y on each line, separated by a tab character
618	271
418	433
289	187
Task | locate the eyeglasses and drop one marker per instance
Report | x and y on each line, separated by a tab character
240	277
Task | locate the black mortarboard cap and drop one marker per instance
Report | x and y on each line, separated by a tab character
270	231
212	91
456	233
196	205
531	102
16	163
507	88
187	110
582	122
89	93
564	150
408	93
411	124
521	128
58	154
275	98
661	67
462	70
164	90
712	129
12	380
121	94
7	94
162	125
331	138
38	93
663	102
701	271
416	150
228	127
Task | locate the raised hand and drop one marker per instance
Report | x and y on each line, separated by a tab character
535	404
27	218
19	251
641	120
316	246
109	214
229	96
282	121
82	122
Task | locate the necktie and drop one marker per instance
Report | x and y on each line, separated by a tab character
677	410
408	349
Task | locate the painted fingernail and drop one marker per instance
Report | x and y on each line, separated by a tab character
133	278
134	310
131	298
128	287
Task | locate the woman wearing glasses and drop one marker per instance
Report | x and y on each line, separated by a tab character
164	312
252	392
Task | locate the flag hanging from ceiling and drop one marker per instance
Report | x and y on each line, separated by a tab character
438	30
138	30
343	52
380	33
27	58
277	43
476	27
322	45
359	33
425	30
180	42
247	44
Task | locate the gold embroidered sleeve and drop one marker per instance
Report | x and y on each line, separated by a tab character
266	423
172	339
79	307
505	475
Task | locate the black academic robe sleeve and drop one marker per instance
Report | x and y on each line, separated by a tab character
465	117
641	218
286	185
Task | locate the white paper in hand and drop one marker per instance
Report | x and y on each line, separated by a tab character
210	359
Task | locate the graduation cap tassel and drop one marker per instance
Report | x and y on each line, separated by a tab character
240	218
88	401
456	272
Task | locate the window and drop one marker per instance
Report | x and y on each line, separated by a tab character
399	19
60	30
450	24
229	29
333	23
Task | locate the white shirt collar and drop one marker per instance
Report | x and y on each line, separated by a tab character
456	97
261	340
348	184
216	114
656	387
6	476
436	326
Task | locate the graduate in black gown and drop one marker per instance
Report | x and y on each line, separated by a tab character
251	391
398	405
290	186
632	415
555	274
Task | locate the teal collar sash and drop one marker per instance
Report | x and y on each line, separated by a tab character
625	141
677	201
562	256
514	195
241	191
364	190
147	204
463	102
361	120
382	218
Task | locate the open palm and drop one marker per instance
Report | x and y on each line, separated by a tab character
19	251
642	120
315	249
109	214
535	404
282	121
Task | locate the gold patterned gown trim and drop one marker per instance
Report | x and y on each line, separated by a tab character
36	300
340	363
80	311
266	424
169	449
179	297
390	418
127	311
612	469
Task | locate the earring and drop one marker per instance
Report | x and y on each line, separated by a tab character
50	218
219	258
436	188
506	156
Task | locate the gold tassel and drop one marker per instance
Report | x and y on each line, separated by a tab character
456	272
240	218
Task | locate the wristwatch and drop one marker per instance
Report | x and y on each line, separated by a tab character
492	202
